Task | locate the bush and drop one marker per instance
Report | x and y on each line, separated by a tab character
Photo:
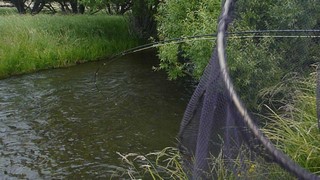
186	18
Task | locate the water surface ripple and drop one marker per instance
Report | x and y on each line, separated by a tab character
54	124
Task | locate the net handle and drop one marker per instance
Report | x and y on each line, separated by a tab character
278	155
318	94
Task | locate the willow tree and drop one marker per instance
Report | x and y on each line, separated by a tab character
254	63
37	5
182	18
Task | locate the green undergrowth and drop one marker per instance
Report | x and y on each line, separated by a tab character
30	43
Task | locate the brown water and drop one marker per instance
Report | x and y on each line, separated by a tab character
55	124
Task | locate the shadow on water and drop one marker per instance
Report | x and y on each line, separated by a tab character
55	124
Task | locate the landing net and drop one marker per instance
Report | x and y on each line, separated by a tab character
217	121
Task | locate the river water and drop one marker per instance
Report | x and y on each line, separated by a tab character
55	124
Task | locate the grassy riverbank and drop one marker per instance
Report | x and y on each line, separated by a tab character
31	43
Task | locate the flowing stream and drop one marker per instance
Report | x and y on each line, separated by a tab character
55	124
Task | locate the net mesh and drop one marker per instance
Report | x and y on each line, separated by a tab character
216	121
318	96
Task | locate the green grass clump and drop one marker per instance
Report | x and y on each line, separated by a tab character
294	129
29	43
164	164
167	164
245	167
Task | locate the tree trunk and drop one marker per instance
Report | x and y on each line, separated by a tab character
74	6
109	8
19	4
81	8
38	6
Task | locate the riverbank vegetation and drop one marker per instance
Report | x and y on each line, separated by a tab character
74	32
166	164
30	43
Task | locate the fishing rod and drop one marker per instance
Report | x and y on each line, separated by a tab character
231	35
213	36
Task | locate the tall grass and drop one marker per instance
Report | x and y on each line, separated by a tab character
167	164
29	43
294	127
164	164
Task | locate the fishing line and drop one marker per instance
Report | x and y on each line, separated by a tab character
231	35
